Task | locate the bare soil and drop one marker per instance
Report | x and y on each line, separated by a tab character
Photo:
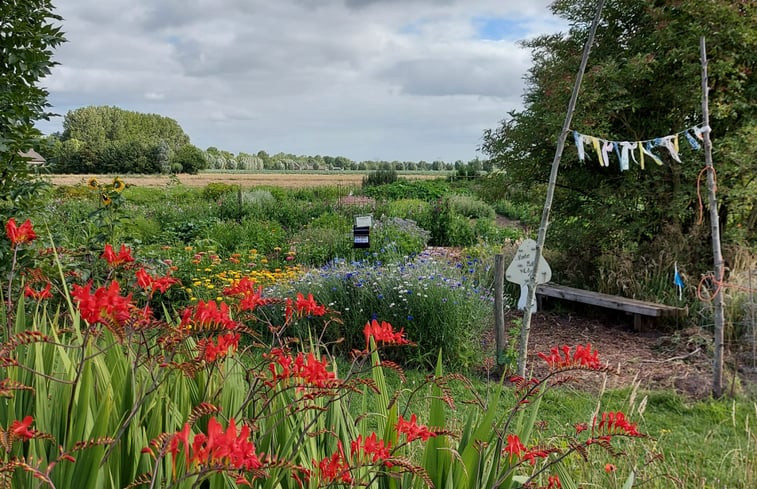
283	180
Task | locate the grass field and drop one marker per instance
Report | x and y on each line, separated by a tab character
278	179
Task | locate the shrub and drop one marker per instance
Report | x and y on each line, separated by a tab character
213	191
428	190
470	207
382	176
251	233
414	209
393	238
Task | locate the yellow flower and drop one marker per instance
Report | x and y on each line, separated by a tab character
92	183
118	184
105	199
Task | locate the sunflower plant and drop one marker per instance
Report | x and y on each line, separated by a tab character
109	212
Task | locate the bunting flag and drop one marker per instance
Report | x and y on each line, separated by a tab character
623	149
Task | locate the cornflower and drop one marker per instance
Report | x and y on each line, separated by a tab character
413	430
19	234
383	332
207	315
106	304
113	259
583	357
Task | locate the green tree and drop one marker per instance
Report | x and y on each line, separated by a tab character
27	39
643	81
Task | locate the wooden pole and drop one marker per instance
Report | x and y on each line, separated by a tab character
499	311
523	351
717	255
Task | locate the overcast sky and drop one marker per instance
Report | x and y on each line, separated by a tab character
366	79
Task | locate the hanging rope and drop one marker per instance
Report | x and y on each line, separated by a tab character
699	187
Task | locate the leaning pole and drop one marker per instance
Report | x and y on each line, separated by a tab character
531	284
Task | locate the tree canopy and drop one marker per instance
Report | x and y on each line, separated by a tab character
28	35
642	82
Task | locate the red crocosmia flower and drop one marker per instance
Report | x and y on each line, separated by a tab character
371	448
309	306
610	468
20	429
252	296
208	315
583	357
38	294
160	284
173	446
104	305
307	369
19	234
211	351
335	467
113	259
383	332
413	430
514	447
554	482
531	455
288	310
614	423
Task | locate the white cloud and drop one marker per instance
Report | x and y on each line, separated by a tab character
387	79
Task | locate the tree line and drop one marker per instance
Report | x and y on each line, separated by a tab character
104	139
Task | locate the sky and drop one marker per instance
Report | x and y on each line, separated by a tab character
405	80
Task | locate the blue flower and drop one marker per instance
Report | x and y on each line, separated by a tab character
409	317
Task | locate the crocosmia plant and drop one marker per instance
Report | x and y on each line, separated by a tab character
107	384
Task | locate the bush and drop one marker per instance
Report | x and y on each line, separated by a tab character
213	191
414	209
380	177
393	238
471	207
428	190
233	237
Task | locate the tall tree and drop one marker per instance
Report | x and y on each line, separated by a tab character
642	82
27	39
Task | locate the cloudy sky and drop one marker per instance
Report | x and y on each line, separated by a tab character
365	79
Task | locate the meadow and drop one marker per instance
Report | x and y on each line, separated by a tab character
227	336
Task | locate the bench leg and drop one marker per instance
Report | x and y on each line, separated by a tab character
638	323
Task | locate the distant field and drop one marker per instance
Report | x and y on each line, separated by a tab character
285	180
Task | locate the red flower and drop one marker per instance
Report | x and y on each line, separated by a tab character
38	294
219	448
583	357
124	255
335	467
20	429
412	430
305	368
211	351
147	281
554	482
105	305
514	447
309	306
610	468
373	449
252	297
208	315
19	234
383	332
616	423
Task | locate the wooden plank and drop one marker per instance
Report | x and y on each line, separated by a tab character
632	306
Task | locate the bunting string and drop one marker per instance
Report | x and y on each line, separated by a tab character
604	148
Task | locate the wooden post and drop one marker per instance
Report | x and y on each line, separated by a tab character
499	307
523	351
717	255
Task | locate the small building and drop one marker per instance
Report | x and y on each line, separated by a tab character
34	158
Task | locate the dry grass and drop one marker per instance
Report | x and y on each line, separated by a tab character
284	180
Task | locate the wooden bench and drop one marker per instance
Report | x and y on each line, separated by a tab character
641	310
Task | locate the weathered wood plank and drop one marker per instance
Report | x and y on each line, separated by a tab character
632	306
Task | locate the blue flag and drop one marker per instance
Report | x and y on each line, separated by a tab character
678	281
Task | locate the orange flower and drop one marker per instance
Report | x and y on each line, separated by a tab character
19	234
38	294
610	468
